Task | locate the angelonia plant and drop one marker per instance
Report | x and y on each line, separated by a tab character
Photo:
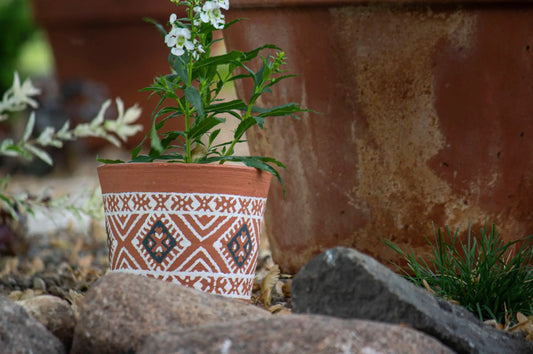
18	98
191	92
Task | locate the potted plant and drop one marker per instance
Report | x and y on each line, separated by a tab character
178	212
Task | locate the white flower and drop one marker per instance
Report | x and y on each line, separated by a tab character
199	50
224	4
173	19
177	39
210	13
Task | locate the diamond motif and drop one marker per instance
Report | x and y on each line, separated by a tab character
158	242
240	246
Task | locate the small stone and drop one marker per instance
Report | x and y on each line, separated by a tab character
55	314
39	284
58	291
21	333
120	310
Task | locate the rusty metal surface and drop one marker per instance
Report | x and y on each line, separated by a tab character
426	118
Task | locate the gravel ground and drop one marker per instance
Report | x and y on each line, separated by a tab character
59	254
65	261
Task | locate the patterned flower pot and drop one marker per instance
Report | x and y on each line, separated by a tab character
190	224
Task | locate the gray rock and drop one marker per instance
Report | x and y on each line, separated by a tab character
120	309
21	333
294	334
55	314
345	283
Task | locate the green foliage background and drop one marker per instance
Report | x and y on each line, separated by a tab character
17	28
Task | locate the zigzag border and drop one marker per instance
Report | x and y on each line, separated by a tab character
254	206
243	295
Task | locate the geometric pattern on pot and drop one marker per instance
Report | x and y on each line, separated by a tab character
206	241
240	246
159	241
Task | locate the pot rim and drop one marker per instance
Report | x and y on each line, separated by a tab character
181	164
168	177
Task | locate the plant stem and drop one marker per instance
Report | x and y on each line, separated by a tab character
229	152
188	156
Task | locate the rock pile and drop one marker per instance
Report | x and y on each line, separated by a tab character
343	282
347	303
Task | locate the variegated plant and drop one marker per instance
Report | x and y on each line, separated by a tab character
21	96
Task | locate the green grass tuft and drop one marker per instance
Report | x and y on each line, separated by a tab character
490	278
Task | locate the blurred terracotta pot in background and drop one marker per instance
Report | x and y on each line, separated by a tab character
426	118
103	49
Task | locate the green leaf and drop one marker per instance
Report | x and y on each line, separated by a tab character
278	79
213	136
239	77
8	148
10	206
174	110
174	157
41	154
159	27
202	126
179	66
155	143
193	96
219	59
253	53
284	110
169	137
260	121
228	24
109	161
235	57
227	106
29	127
143	158
244	126
135	152
259	162
260	75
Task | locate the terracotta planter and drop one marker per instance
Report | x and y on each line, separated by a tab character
426	118
190	224
103	49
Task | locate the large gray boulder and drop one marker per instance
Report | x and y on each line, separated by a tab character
294	334
21	333
120	310
343	282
